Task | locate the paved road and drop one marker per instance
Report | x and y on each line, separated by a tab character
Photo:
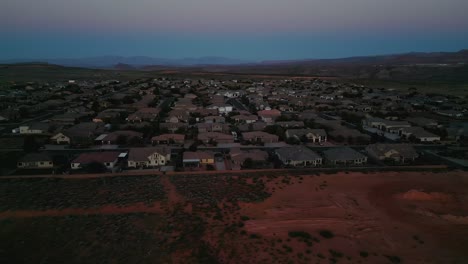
237	104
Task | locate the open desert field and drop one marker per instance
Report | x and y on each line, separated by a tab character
388	217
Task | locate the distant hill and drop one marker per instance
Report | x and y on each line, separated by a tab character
395	59
144	62
109	62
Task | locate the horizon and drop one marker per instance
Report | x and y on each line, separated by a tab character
241	61
245	30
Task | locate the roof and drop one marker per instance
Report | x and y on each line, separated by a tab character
127	133
304	131
198	155
86	129
169	136
254	154
272	112
100	157
404	150
420	132
260	134
345	153
297	153
142	154
33	157
214	135
291	123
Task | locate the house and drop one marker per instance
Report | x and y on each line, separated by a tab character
312	135
269	116
173	127
144	114
83	133
344	156
215	137
259	136
120	137
246	119
197	158
352	136
67	118
108	159
298	157
420	134
239	156
148	157
385	125
287	124
60	138
450	113
422	122
108	115
232	93
34	128
168	139
212	127
178	115
214	119
221	107
401	153
35	161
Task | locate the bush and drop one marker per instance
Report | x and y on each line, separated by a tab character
364	254
335	253
326	234
254	236
394	259
300	234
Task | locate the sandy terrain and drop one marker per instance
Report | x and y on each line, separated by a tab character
419	217
388	217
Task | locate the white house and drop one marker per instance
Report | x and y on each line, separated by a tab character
60	138
149	157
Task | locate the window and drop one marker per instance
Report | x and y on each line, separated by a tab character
42	163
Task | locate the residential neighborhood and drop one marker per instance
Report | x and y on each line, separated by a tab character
172	124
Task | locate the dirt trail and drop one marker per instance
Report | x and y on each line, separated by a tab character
173	197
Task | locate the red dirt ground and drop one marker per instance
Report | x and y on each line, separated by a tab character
419	217
377	213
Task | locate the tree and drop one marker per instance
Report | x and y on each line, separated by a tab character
134	141
248	163
30	144
121	140
23	112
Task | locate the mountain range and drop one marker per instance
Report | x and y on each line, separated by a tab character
135	61
144	62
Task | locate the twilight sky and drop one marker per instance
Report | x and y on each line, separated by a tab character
244	29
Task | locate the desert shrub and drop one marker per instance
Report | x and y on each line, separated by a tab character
335	254
326	233
364	254
394	259
287	248
300	234
254	236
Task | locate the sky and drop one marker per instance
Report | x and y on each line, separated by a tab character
241	29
